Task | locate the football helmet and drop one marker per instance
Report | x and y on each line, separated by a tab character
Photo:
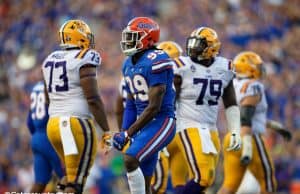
248	64
76	33
171	48
140	33
203	43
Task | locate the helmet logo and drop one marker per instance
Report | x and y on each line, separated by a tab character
145	25
193	68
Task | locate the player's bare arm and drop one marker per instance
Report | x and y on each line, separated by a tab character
89	86
47	101
119	109
177	83
156	95
280	129
228	97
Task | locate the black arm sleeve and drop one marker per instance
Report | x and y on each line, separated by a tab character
247	113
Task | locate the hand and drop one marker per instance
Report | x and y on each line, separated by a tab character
106	142
285	134
120	139
235	141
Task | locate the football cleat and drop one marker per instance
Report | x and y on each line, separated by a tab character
140	33
76	33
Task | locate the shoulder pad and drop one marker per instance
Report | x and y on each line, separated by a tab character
89	56
179	62
224	63
161	65
252	87
156	55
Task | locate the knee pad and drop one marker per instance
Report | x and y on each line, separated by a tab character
77	187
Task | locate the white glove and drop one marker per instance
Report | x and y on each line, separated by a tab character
235	141
246	150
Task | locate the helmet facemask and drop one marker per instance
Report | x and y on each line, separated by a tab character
196	47
131	41
91	38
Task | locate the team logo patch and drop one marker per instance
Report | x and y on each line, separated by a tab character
65	123
193	68
146	25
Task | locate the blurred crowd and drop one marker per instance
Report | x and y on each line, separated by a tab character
29	32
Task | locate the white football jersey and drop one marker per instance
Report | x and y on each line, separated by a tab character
61	74
201	89
249	87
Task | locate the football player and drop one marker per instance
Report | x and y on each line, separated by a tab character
170	157
44	156
202	80
70	75
148	121
254	155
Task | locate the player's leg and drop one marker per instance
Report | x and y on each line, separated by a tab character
233	169
78	165
42	172
201	166
262	166
144	151
159	180
56	165
55	140
178	165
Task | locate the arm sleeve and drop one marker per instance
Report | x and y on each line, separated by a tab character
159	73
30	124
129	114
90	57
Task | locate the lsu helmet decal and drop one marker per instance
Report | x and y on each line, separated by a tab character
76	33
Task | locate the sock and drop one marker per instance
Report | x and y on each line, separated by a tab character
192	187
179	189
136	182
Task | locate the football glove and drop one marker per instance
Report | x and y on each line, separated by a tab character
246	150
280	129
120	139
235	141
106	141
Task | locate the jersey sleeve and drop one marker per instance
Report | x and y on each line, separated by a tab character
159	72
251	88
88	56
229	71
179	67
